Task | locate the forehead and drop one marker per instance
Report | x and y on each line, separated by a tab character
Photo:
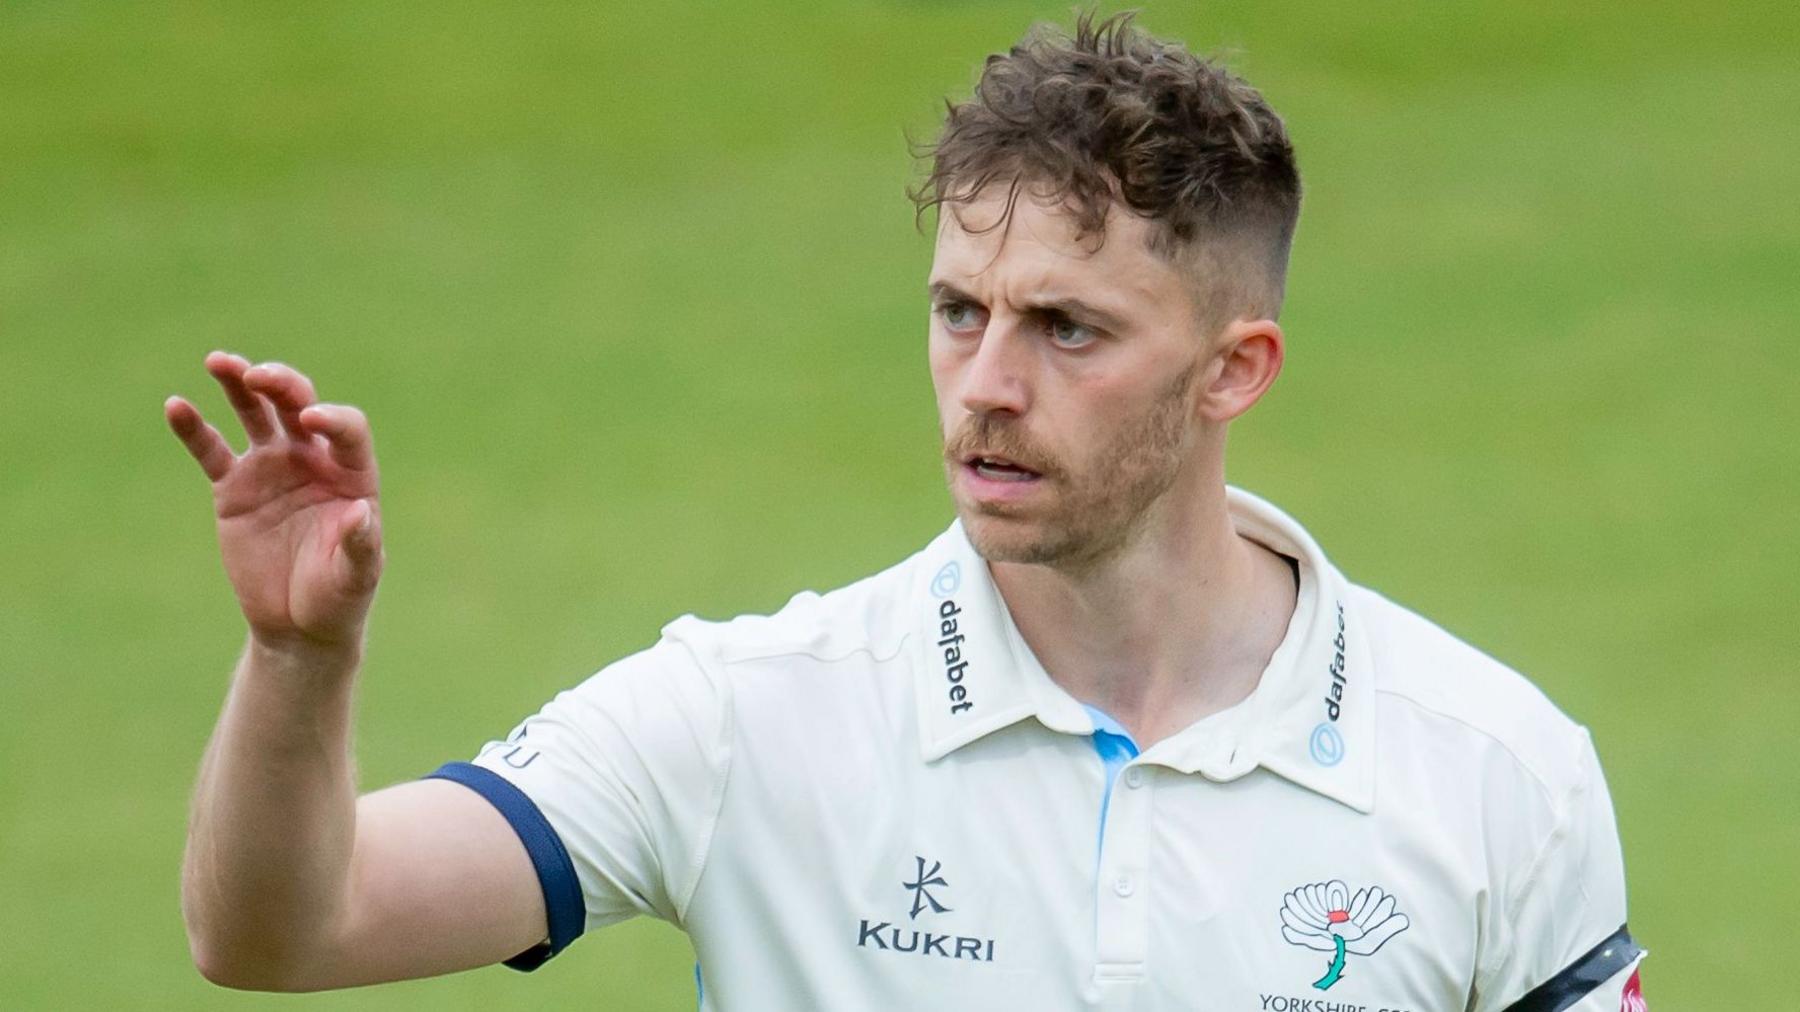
1041	247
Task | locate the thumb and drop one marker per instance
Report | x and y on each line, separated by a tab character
360	539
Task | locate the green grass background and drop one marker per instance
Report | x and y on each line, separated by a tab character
632	296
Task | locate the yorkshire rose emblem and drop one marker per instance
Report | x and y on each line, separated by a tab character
1324	916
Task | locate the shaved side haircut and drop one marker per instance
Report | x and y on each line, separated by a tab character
1113	117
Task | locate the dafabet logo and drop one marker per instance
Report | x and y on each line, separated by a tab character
945	584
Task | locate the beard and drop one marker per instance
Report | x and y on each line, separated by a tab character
1096	506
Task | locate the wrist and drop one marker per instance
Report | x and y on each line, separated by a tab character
305	657
292	699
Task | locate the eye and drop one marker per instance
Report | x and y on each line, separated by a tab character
959	315
1066	333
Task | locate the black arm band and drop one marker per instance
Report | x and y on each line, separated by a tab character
1580	978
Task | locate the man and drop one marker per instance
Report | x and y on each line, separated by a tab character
1121	737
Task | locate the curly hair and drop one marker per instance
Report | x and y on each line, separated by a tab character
1112	115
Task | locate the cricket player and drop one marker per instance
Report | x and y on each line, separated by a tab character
1121	737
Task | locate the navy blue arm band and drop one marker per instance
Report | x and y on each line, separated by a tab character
567	912
1580	978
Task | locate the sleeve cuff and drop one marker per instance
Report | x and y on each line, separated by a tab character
563	903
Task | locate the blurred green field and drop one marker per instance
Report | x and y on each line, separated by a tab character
633	298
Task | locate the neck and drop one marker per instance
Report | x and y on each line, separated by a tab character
1176	624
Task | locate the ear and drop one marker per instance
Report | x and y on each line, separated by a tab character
1247	356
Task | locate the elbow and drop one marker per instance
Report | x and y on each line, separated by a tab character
224	971
246	955
214	955
234	967
221	968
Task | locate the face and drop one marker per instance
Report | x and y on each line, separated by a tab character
1066	380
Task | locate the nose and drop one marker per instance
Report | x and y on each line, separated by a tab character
996	378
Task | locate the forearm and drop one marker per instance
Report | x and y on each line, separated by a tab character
274	819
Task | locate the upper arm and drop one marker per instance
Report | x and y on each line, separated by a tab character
438	882
598	807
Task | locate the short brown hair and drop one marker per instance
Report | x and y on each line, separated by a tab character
1112	114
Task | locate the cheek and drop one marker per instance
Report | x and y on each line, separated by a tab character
946	366
937	359
1092	410
1119	425
943	388
939	367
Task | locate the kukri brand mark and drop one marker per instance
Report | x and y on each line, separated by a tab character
883	936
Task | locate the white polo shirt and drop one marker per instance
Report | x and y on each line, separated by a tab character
877	799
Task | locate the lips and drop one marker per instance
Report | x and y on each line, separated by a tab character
997	468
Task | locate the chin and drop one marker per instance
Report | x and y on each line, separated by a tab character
1000	538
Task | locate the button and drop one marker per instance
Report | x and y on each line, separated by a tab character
1124	886
1134	777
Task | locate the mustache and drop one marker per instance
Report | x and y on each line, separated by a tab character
984	436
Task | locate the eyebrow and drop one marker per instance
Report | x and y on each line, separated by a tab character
1068	305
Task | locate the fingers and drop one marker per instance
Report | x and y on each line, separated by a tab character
346	432
252	411
202	440
272	392
287	389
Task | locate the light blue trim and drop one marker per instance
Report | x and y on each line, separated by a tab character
1103	722
1116	748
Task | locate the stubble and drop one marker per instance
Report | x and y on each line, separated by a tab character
1099	505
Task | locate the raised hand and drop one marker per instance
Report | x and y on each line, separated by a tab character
299	522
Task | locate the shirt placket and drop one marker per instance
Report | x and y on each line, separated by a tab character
1123	889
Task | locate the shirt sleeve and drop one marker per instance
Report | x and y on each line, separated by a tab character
613	787
1560	941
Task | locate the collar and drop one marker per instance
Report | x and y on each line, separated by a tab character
1310	719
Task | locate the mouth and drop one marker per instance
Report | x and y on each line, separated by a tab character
995	468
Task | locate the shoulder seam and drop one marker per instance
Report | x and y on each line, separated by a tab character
1538	778
727	733
1558	831
771	653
